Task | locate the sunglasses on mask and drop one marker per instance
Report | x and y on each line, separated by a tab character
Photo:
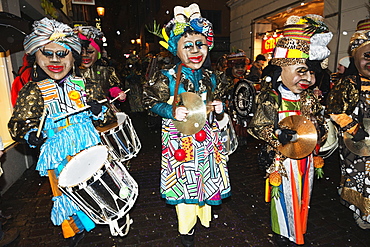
50	54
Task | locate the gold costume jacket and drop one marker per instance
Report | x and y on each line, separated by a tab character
262	125
30	106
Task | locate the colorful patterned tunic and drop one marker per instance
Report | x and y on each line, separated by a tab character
66	136
202	177
289	212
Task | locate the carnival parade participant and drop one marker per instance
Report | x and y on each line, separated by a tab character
304	42
194	175
349	107
236	71
48	107
95	69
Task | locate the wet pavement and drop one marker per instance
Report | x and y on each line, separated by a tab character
242	219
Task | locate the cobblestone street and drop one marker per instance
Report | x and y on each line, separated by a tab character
242	219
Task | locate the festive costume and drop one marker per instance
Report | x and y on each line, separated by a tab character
290	179
66	135
235	73
289	212
348	105
96	70
200	179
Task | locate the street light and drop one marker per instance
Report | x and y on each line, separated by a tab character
101	11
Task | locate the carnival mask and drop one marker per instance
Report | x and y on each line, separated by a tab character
297	77
192	49
55	60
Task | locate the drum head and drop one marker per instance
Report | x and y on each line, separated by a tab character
121	117
83	166
243	98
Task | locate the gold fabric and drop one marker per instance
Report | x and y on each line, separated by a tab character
356	198
265	117
343	97
101	78
103	75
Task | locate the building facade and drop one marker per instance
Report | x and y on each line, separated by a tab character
253	22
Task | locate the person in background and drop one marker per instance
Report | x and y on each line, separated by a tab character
8	236
255	73
236	71
47	114
348	106
187	158
343	65
96	69
290	180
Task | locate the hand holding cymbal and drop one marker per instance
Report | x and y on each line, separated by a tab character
303	142
180	113
196	115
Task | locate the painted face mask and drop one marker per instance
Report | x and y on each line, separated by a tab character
55	60
192	50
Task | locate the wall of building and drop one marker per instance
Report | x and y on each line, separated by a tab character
341	17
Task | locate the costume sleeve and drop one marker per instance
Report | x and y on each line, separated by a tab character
341	102
27	111
263	121
222	86
156	95
114	81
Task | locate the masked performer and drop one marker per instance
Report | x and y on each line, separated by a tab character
93	67
54	50
194	174
291	179
348	105
236	71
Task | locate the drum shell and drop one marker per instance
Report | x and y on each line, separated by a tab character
121	138
99	194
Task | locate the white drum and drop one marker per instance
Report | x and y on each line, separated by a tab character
121	139
331	143
103	189
228	135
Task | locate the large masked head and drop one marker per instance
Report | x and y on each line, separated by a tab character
53	44
188	36
92	44
305	39
360	47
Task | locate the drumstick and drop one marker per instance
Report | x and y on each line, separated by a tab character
77	110
44	113
118	96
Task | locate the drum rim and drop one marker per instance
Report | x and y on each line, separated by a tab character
65	169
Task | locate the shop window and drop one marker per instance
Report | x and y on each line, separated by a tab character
6	77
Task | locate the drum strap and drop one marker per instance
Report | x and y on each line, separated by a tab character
175	100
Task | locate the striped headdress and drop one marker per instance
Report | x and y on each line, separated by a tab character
304	38
362	35
46	31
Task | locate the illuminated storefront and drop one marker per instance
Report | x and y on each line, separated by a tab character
254	21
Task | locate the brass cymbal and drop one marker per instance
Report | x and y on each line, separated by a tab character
196	118
303	142
362	147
